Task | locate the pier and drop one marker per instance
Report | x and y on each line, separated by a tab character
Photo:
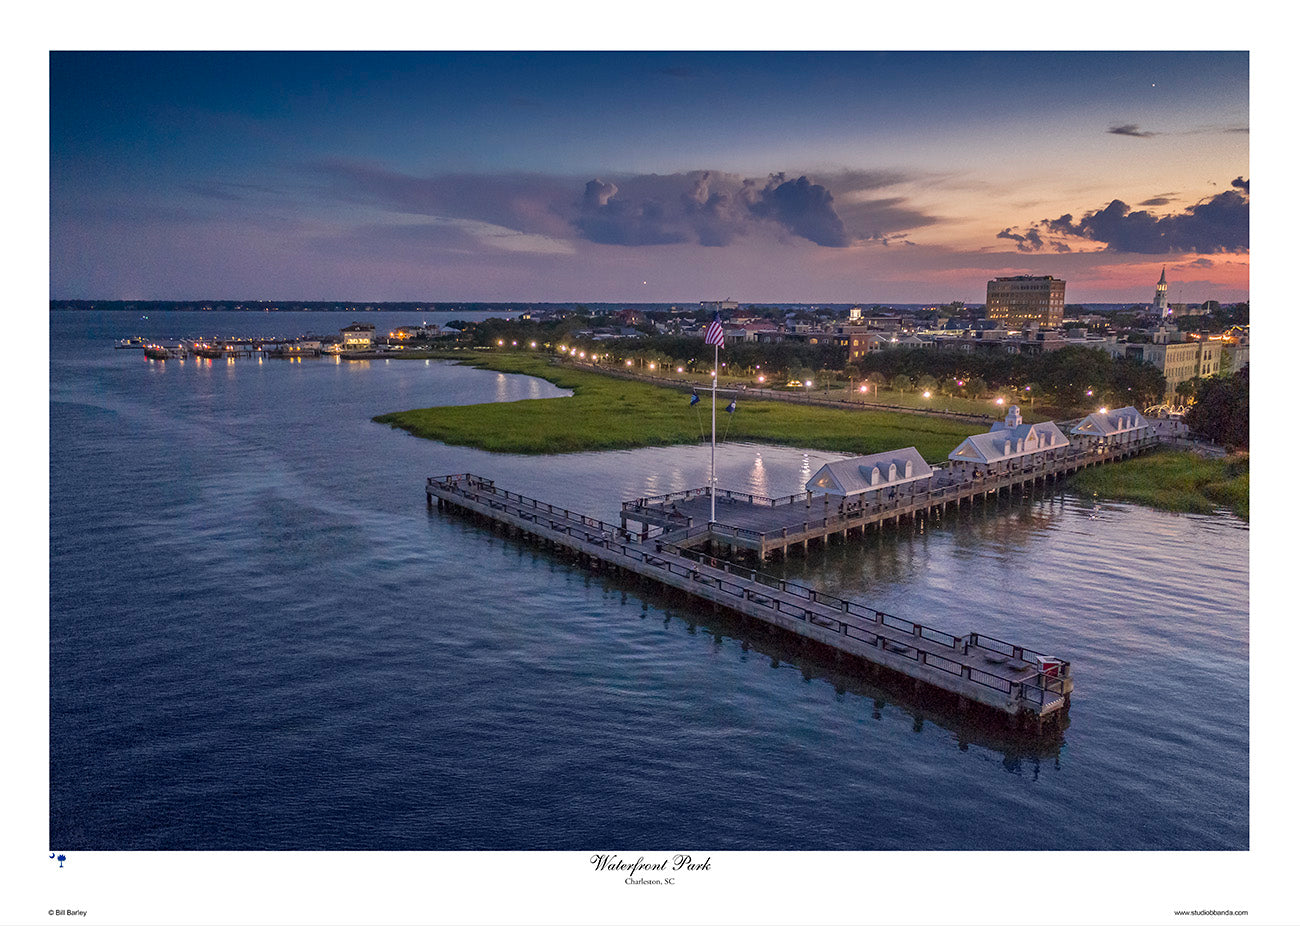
1025	688
748	523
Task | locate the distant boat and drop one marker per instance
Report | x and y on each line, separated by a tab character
129	344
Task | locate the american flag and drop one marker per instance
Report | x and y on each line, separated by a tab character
713	334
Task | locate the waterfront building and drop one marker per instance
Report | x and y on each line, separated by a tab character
1007	444
1020	300
416	332
1106	429
1160	305
722	305
358	337
859	475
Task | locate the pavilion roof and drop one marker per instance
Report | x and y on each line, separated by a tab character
864	474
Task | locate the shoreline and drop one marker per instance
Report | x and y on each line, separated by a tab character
608	413
1173	480
614	413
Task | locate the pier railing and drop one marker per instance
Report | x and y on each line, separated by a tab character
761	501
925	645
943	490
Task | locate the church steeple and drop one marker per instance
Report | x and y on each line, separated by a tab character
1161	302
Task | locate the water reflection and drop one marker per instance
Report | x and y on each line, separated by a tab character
457	647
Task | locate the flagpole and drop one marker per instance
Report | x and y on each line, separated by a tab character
713	445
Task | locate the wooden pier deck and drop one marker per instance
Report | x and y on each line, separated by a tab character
767	526
1021	685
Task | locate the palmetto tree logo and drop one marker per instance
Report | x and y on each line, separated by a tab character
61	857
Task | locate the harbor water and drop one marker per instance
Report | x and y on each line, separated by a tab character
262	638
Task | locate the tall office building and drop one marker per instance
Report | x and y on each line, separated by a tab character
1023	300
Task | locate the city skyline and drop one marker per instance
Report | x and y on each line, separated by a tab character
647	177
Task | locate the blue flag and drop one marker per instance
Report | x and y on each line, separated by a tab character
732	406
695	397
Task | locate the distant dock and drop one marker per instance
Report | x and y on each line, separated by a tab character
1028	689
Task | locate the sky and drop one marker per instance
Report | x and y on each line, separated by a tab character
871	177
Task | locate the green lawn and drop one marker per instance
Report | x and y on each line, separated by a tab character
605	413
1174	481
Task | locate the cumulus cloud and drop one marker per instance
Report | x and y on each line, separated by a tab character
1218	224
1029	241
803	208
709	208
598	194
607	220
1130	130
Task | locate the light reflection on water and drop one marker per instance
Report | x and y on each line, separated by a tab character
262	639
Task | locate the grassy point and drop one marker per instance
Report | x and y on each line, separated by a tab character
606	413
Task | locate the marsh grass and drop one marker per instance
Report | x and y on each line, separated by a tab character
605	413
1174	481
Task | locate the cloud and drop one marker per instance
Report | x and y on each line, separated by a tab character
532	203
883	219
1130	130
607	220
1164	199
598	194
1028	242
704	207
1218	224
709	208
803	208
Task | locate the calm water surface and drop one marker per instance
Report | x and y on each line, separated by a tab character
262	639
